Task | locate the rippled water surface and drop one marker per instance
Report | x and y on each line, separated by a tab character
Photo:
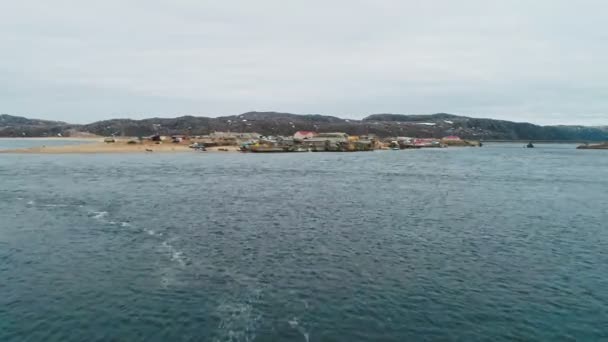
499	243
11	143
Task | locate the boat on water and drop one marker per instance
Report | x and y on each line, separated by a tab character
530	145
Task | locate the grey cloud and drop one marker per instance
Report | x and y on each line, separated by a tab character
540	61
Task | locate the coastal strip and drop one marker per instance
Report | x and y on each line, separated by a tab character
301	141
602	146
119	146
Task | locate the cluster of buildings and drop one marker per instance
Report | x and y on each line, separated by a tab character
304	141
341	142
407	142
301	141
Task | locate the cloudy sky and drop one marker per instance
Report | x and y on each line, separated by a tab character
542	61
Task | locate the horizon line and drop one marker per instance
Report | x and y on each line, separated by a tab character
176	116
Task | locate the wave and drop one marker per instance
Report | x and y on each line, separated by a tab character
102	216
168	274
98	215
295	324
176	255
49	203
239	321
152	232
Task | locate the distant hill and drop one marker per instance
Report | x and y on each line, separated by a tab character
490	129
10	120
273	123
17	126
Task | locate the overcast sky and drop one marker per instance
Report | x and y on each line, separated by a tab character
541	61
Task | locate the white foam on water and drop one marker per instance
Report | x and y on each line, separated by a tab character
49	205
102	216
99	214
239	316
166	280
176	255
149	232
295	324
238	322
179	257
169	276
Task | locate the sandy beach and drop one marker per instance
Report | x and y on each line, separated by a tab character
120	146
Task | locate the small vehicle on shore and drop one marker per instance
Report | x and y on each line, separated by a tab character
198	147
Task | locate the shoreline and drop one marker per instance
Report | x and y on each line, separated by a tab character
117	147
96	145
84	138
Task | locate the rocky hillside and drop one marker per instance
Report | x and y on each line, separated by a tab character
489	129
272	123
16	126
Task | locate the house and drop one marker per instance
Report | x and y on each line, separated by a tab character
176	139
337	136
424	142
372	140
302	135
326	142
158	138
405	139
370	136
234	135
320	144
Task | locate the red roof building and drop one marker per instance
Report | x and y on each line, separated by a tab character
302	135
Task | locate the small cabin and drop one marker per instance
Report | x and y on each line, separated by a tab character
301	135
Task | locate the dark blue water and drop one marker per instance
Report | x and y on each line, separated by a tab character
495	244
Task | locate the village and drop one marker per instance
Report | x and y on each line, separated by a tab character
301	141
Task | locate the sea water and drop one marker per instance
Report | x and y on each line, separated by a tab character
498	243
18	143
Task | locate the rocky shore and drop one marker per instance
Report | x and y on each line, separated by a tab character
602	146
119	146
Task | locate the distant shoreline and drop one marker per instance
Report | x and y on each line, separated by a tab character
55	138
286	124
538	141
120	146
